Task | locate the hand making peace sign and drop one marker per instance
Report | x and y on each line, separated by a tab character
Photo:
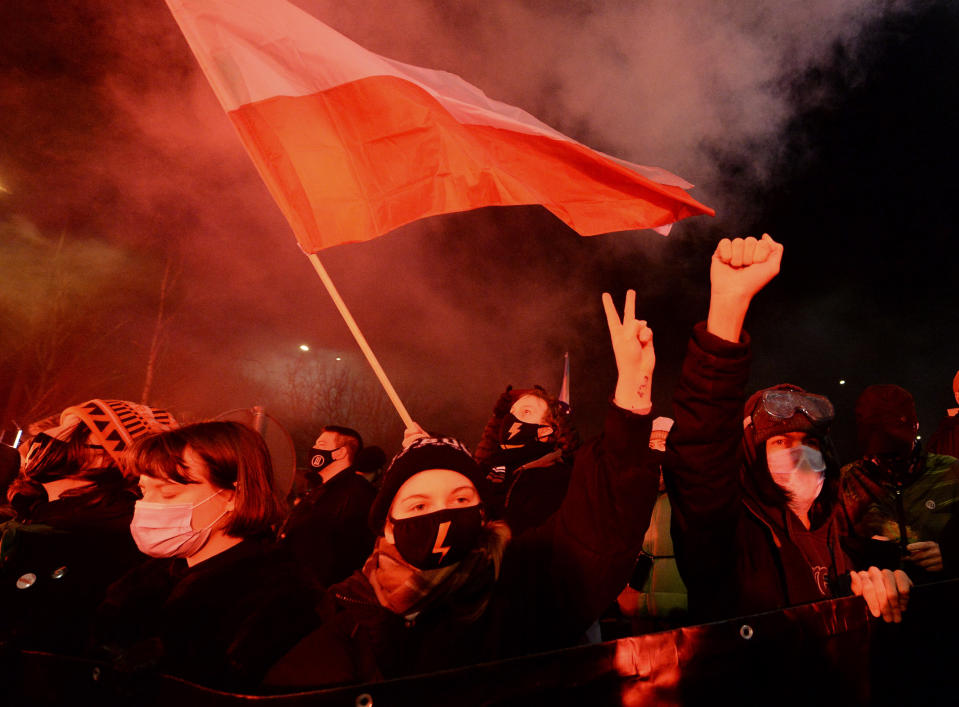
635	357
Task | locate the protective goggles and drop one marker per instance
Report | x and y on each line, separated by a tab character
776	407
783	404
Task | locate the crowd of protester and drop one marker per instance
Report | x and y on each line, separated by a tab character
154	546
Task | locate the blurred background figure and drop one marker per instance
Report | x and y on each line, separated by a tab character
327	529
218	601
370	463
69	537
898	498
527	452
655	598
945	440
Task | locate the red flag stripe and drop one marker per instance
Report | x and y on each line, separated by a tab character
252	50
352	144
382	152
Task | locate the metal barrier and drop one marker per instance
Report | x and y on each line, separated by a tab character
829	652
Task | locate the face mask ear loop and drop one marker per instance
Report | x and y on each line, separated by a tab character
209	525
217	493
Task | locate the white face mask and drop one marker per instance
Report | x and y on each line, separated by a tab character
800	472
165	529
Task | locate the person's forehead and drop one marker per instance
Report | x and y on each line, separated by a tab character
793	436
194	468
530	401
433	481
156	482
327	440
151	482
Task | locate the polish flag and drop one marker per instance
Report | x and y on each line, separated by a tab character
352	145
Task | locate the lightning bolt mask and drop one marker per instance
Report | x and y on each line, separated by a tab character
515	432
438	539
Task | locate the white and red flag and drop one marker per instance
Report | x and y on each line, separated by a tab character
352	144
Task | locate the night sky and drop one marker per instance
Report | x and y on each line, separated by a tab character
830	125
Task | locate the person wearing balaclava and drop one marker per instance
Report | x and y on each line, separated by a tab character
897	494
527	452
753	483
327	529
447	586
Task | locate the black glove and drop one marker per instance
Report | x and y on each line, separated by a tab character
504	403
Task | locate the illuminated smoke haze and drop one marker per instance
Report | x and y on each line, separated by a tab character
114	150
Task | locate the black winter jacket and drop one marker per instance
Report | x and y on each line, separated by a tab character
220	623
57	560
529	487
328	530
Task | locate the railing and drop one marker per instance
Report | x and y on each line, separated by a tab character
829	652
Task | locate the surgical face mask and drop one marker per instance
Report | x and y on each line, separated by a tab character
438	539
321	458
515	432
165	529
800	472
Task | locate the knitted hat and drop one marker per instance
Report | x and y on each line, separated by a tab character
114	424
886	420
759	427
424	453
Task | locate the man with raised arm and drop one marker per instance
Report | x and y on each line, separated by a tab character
754	483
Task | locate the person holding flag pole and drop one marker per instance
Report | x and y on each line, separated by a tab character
447	586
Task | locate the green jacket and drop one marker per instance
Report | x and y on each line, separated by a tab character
928	499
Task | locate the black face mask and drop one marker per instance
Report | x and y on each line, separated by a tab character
438	539
320	458
896	468
516	432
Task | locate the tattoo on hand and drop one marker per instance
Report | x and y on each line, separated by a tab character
644	387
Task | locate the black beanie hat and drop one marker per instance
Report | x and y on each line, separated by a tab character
886	420
424	453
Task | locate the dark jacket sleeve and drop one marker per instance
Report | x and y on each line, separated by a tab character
945	440
949	547
587	549
331	537
702	465
351	539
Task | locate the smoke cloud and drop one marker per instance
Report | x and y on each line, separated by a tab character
111	136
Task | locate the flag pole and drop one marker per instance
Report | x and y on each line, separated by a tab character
361	340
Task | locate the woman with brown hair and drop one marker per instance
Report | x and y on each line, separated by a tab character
527	454
219	602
